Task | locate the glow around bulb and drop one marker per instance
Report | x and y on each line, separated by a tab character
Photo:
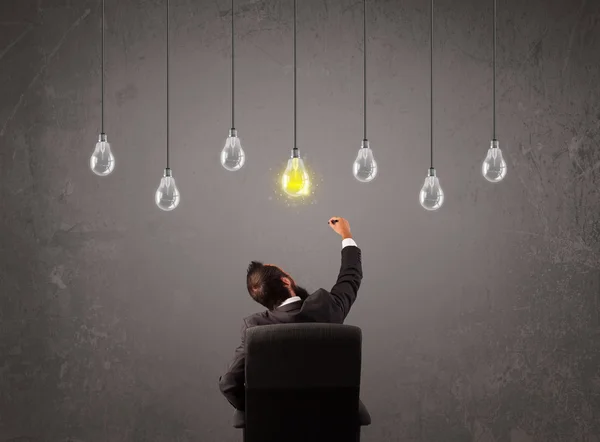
365	166
494	167
232	155
295	180
167	195
102	161
432	195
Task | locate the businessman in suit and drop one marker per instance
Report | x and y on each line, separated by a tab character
286	302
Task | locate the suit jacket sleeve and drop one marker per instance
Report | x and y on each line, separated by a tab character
232	383
345	290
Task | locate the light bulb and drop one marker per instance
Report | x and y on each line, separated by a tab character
167	195
494	166
232	155
365	166
295	180
102	161
432	195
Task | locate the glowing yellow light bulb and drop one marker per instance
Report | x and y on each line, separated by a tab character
295	180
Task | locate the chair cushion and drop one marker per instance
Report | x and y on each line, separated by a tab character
364	418
239	419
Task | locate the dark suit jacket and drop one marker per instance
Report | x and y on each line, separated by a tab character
321	306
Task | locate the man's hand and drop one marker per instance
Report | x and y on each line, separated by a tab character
340	226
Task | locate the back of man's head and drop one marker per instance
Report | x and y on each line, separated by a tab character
265	284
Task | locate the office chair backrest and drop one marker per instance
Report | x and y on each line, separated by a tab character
302	382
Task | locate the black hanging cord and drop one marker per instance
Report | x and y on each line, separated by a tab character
365	69
168	85
102	101
431	83
295	93
232	69
494	76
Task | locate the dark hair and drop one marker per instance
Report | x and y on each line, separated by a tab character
265	285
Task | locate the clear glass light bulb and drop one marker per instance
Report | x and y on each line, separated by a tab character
102	161
365	166
232	155
167	195
295	180
494	166
432	195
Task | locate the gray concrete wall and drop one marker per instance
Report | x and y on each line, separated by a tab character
480	321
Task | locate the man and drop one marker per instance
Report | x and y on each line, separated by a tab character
287	302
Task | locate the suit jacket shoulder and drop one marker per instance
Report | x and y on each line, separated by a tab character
254	318
319	307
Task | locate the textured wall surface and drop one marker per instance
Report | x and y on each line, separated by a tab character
481	321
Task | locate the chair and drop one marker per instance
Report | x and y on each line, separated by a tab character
303	384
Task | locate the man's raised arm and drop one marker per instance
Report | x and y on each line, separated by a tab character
345	290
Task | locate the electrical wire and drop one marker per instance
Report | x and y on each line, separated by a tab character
103	56
232	68
431	84
168	86
365	69
494	76
295	88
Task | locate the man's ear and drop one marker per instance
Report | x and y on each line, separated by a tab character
286	281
